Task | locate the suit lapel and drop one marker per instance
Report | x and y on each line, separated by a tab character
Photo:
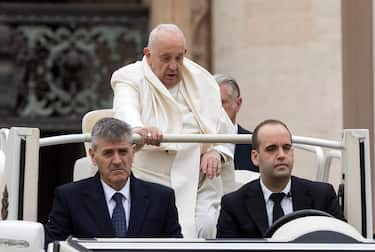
301	196
237	147
97	206
241	130
139	206
256	206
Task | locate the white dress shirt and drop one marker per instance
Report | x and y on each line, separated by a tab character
286	203
125	191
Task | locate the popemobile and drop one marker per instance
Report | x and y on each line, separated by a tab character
308	229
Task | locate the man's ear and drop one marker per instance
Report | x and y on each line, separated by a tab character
92	155
255	157
239	103
185	51
146	51
134	148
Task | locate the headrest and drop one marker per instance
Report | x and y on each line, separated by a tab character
89	120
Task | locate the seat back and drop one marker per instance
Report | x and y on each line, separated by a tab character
89	120
83	167
242	177
16	235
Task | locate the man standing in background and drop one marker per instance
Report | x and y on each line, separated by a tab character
231	100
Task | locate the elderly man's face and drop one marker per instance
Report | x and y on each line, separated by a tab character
231	104
166	57
114	160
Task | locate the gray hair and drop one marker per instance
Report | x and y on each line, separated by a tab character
222	79
163	27
110	129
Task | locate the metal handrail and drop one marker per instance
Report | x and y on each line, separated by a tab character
332	154
189	138
319	153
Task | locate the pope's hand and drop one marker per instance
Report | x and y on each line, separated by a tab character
150	135
211	163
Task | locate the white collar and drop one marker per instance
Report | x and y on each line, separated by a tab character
109	191
267	193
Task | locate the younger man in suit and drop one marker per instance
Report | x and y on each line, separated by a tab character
249	211
231	100
113	203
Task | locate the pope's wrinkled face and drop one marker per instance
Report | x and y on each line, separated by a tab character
275	153
114	160
166	56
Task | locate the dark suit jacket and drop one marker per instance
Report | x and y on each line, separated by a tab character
79	209
243	213
242	154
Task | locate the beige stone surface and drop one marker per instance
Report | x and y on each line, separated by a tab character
286	56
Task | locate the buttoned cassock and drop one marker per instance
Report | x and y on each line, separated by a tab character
141	100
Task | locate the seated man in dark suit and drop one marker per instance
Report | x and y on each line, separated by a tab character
231	100
113	203
249	211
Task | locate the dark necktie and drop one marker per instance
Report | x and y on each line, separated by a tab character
118	216
277	211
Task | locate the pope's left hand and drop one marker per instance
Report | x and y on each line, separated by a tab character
211	164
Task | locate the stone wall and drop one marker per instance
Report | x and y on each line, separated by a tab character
286	56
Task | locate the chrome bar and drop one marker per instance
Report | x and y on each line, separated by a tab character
193	138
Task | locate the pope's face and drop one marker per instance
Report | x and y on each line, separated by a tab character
166	56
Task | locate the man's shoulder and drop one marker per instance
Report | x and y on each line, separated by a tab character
76	186
193	66
242	130
200	73
130	67
130	71
153	188
310	184
246	189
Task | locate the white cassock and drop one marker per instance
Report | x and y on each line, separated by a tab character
193	106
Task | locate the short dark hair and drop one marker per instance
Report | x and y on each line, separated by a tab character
255	139
111	129
222	79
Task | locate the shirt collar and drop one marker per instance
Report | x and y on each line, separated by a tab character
109	191
267	193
